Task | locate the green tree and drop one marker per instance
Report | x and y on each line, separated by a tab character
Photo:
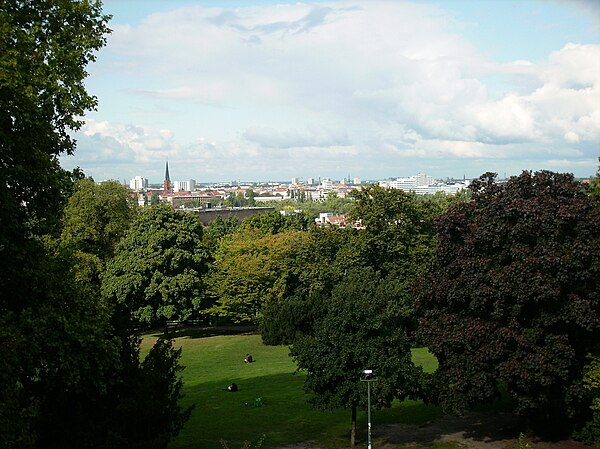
590	432
274	222
63	372
513	296
95	219
158	268
398	239
44	48
399	233
217	229
147	413
320	262
251	269
594	188
363	327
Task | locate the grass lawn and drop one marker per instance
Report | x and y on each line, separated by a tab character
212	363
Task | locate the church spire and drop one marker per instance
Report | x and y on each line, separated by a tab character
167	188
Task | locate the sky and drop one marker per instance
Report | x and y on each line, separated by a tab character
252	90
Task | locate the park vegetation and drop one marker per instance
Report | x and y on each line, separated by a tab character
501	283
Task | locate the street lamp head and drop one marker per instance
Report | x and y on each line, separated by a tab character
367	374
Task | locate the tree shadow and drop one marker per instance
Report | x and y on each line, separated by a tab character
485	427
186	331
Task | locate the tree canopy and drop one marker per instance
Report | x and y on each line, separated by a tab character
513	296
251	269
48	328
364	325
158	268
95	219
399	235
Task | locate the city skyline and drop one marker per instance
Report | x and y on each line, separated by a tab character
264	90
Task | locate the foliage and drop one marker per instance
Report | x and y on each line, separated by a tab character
63	370
513	296
240	199
363	326
398	239
594	187
157	272
44	48
49	330
274	222
590	432
332	203
522	443
399	234
320	262
217	229
56	356
148	414
251	269
95	219
283	321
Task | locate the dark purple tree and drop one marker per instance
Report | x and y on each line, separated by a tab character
513	298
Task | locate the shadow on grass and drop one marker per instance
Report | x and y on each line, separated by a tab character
202	331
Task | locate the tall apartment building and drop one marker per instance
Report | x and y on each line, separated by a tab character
184	186
138	183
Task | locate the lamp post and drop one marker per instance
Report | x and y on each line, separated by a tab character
367	376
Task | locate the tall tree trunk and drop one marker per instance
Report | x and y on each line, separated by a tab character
353	431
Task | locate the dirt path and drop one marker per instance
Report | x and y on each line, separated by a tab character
472	431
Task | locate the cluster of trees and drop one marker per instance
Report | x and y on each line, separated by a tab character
501	285
71	375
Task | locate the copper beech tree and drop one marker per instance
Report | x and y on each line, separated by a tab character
512	297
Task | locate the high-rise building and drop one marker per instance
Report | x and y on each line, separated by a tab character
138	183
179	186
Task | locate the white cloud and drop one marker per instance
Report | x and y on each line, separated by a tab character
302	84
312	136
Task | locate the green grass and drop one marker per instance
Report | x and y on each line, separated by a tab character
214	362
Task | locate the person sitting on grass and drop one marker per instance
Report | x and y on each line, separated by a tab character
248	359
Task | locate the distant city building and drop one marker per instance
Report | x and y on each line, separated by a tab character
422	185
181	186
409	183
326	183
310	181
138	183
296	181
356	181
